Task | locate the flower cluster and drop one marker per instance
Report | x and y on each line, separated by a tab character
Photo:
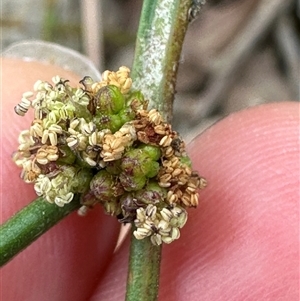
100	141
162	226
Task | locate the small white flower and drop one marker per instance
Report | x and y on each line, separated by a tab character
42	185
63	200
156	239
141	233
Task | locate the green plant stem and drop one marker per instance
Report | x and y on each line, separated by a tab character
163	25
144	268
30	223
160	37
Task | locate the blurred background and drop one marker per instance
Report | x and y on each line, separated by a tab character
236	54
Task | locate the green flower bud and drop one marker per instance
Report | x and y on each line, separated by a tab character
88	199
151	194
82	111
136	101
126	115
150	168
136	162
114	167
115	123
112	207
130	163
68	171
82	180
109	100
111	122
152	151
132	183
66	156
186	161
129	205
102	186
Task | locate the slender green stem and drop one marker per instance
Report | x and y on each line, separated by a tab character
144	268
160	37
159	42
29	224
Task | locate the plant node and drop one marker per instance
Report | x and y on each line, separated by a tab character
101	141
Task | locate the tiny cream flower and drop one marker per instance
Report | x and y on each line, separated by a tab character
162	226
22	108
46	154
115	144
42	185
63	200
154	117
119	79
30	171
88	128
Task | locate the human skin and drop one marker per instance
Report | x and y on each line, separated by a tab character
241	243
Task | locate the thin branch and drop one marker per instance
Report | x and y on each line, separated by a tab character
144	269
159	42
92	31
29	224
160	37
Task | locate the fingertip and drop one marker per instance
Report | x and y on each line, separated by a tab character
66	262
17	77
241	242
242	239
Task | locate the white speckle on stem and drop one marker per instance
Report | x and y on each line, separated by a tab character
153	50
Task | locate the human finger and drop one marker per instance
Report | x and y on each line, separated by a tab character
65	263
242	241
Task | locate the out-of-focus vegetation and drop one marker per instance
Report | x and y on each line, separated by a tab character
236	53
